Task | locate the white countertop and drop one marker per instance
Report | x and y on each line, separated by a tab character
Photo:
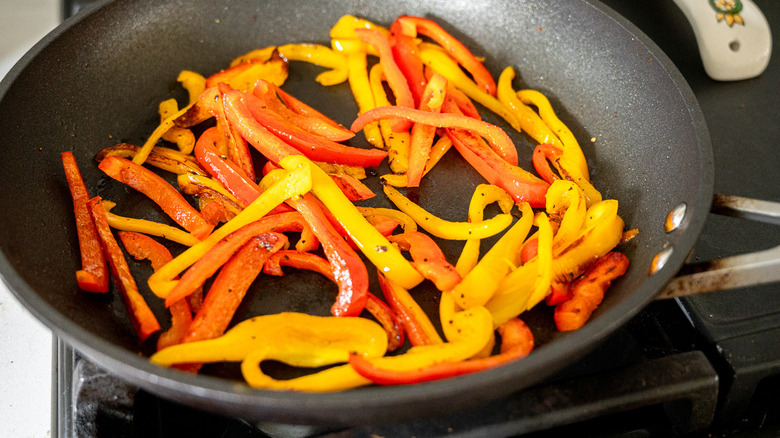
25	343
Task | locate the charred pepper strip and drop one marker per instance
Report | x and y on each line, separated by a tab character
417	326
413	25
428	259
141	316
93	275
161	157
446	229
498	139
159	191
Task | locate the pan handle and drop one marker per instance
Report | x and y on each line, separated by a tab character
750	269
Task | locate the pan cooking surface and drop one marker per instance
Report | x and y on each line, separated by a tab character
95	82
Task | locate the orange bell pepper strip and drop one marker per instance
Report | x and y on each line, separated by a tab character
588	291
422	135
159	191
519	183
352	187
244	75
395	78
517	341
407	58
308	118
93	275
229	174
313	146
140	247
236	146
417	326
411	26
428	259
498	139
231	285
141	316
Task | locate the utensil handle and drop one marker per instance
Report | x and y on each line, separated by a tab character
742	270
734	39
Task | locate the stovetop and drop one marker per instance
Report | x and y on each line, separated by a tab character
707	365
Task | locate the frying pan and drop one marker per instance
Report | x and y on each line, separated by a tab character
97	79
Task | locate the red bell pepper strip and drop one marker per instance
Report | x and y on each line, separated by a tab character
304	116
237	147
395	78
140	247
543	155
220	253
93	275
312	262
499	140
462	102
158	190
349	271
456	49
405	54
313	146
517	341
520	184
428	259
231	285
141	316
588	290
422	135
415	322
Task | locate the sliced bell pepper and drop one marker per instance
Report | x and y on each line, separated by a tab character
237	147
183	137
352	188
319	55
230	286
147	227
207	190
428	259
306	117
447	229
142	247
544	261
520	184
371	243
244	75
588	291
417	326
408	60
294	183
406	222
359	83
163	158
396	143
529	120
497	138
93	275
484	195
413	25
438	150
194	83
544	153
228	173
156	135
517	341
141	316
422	135
159	191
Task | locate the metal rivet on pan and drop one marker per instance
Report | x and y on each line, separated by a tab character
660	259
675	217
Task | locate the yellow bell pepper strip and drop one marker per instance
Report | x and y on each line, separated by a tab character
428	259
396	143
422	135
183	137
395	78
295	183
156	135
306	117
141	316
588	291
476	331
418	327
544	260
230	287
482	282
357	66
93	275
441	63
147	227
406	222
319	55
194	83
571	163
447	229
498	139
159	191
344	38
519	183
160	157
221	252
293	338
337	378
244	75
529	120
566	202
438	150
517	341
141	247
315	147
263	54
374	246
411	26
484	195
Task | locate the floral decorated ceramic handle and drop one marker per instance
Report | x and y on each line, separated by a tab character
733	37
